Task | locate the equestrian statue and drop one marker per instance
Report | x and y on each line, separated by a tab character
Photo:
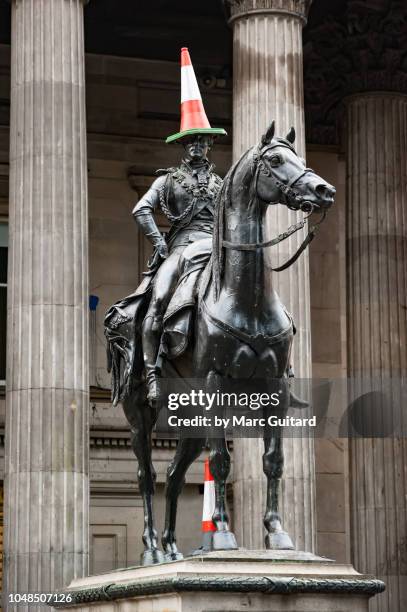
206	308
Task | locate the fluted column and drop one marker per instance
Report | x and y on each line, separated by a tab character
268	84
46	522
377	331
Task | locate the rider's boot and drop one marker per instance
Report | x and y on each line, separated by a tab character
151	342
153	384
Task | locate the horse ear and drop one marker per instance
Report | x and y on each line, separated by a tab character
291	135
269	135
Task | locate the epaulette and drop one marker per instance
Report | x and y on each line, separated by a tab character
162	171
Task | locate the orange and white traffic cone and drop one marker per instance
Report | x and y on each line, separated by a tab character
193	116
208	526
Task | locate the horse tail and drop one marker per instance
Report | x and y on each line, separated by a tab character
119	366
124	356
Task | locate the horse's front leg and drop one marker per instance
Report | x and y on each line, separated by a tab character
142	419
219	464
188	450
273	463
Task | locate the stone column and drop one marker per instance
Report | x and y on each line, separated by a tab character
46	483
268	84
372	79
377	336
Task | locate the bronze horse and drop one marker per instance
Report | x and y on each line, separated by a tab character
242	331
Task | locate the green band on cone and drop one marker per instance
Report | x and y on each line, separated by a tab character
179	135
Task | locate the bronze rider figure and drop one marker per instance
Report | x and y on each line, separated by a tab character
186	195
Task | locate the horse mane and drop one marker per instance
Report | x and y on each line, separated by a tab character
222	202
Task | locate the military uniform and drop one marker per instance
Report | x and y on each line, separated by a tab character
187	197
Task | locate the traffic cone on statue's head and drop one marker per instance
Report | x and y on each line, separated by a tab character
193	116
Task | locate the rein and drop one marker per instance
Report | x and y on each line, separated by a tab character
291	230
287	190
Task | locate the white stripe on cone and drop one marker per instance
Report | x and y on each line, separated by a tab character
189	85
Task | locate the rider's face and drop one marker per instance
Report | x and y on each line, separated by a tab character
197	147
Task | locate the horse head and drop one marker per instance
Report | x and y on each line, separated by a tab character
282	176
268	173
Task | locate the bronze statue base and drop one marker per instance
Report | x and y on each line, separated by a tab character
279	540
256	581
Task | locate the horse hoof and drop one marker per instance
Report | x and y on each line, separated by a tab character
199	552
171	552
173	556
224	540
151	557
279	540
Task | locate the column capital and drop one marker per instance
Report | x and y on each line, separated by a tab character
356	53
238	9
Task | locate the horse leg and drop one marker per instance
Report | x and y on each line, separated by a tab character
142	420
273	463
188	450
219	464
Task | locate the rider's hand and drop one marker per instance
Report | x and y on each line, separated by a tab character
160	253
162	249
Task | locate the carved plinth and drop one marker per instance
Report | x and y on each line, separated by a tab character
273	581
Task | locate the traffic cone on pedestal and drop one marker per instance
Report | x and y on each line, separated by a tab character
208	526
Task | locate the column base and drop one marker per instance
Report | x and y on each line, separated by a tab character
241	580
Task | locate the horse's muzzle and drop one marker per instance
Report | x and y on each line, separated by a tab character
326	194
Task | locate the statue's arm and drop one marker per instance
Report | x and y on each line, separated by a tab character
143	213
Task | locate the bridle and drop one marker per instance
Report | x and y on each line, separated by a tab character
259	165
290	195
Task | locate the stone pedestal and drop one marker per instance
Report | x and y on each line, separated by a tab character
47	437
268	84
377	332
236	581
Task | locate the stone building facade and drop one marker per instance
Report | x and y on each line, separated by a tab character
88	92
